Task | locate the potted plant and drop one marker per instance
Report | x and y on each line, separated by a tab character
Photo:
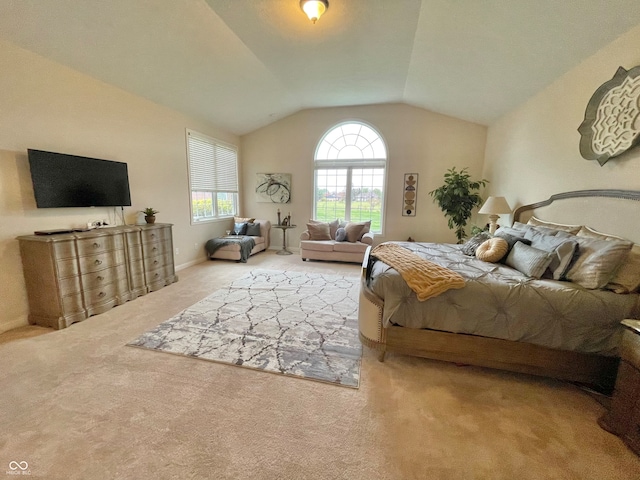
149	214
457	198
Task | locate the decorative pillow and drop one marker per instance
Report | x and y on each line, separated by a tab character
253	229
528	260
243	220
319	231
333	226
492	250
591	233
355	230
627	278
240	228
511	238
563	250
598	261
470	246
341	235
554	226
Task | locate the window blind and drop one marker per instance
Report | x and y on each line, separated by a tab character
212	165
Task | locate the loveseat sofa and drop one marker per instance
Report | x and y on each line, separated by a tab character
325	241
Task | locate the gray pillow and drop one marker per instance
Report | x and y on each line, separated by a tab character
528	260
341	235
511	238
240	228
562	249
471	245
253	229
598	261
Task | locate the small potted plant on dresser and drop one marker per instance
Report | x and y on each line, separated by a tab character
149	214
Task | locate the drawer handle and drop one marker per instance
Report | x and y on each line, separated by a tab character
98	262
96	245
101	294
100	278
156	275
153	235
155	262
154	249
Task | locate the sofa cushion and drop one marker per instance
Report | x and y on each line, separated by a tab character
347	247
355	230
319	246
333	226
243	219
258	240
319	231
253	229
240	228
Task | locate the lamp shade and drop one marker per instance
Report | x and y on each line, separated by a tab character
314	8
495	206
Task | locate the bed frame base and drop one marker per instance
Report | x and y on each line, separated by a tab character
595	371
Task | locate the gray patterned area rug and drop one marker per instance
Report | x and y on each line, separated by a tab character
292	323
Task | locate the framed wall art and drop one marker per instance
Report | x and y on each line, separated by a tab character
611	123
410	194
273	187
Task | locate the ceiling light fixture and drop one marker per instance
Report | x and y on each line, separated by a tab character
314	8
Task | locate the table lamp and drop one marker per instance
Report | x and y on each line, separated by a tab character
494	206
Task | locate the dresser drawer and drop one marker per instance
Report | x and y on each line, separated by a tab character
135	252
64	249
67	268
155	262
103	277
69	285
133	238
156	235
94	263
154	249
99	244
158	275
104	293
72	304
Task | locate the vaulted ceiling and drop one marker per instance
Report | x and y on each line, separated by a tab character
241	64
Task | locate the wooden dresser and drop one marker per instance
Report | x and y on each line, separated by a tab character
623	419
70	277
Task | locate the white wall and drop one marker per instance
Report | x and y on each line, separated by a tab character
418	141
47	106
533	152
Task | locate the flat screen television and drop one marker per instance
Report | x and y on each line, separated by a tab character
61	180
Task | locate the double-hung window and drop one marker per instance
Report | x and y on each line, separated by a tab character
213	177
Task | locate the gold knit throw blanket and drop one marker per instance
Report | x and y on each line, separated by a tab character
426	278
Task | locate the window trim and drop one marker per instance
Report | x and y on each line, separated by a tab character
214	192
349	165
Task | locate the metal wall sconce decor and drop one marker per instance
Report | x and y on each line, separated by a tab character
410	195
611	123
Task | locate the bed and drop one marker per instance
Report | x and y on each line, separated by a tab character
505	319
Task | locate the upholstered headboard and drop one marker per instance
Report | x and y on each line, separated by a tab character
611	211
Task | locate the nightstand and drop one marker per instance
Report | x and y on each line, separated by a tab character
624	417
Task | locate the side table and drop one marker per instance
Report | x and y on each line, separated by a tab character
284	229
623	419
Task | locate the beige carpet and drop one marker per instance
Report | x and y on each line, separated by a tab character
79	404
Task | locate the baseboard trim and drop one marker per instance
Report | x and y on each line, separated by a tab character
182	266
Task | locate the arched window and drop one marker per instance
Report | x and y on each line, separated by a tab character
350	164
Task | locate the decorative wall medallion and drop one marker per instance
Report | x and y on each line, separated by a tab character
273	187
611	123
410	195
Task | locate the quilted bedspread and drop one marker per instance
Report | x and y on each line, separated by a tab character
500	302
